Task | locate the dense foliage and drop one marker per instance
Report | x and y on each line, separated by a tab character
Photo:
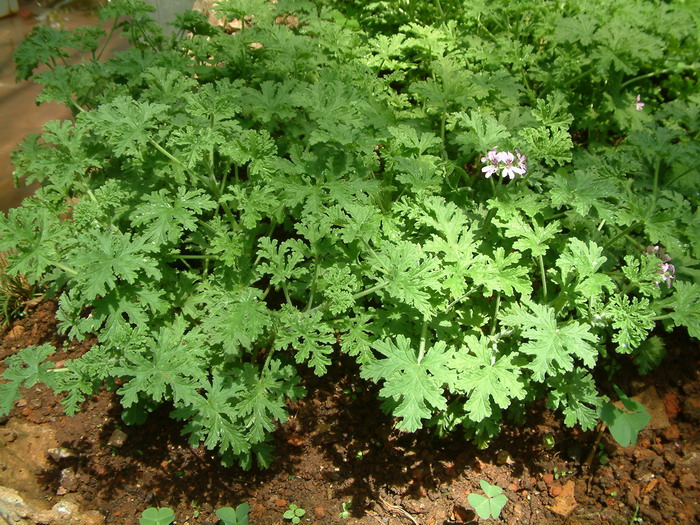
482	204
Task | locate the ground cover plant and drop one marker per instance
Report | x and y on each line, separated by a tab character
484	206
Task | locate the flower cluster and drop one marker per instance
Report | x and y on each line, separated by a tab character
639	105
504	163
667	272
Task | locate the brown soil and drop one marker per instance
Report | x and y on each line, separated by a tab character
339	447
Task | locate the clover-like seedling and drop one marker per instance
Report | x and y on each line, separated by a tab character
624	425
345	510
488	506
231	516
294	513
153	516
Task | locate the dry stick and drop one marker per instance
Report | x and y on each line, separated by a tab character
399	510
589	459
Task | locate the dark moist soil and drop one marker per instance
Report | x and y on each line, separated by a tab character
339	447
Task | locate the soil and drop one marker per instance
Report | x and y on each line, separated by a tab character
338	447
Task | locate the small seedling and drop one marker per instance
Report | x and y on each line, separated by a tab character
294	513
548	441
624	425
490	505
237	516
561	473
345	510
154	516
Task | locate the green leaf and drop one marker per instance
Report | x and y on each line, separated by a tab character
685	305
486	377
26	368
408	272
632	318
125	124
169	368
502	273
576	395
167	216
414	382
552	346
530	235
488	506
585	260
112	257
237	516
484	132
153	516
552	145
261	397
308	336
624	425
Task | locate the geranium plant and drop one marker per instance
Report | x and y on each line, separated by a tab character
462	205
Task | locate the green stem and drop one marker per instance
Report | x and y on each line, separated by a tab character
620	235
661	317
544	278
423	337
495	313
657	169
66	269
198	257
109	37
656	73
313	286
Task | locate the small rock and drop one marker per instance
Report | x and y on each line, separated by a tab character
691	408
7	436
319	511
503	458
451	471
21	403
462	515
281	502
69	480
59	453
672	404
672	433
15	332
687	481
548	478
671	458
556	490
117	439
67	508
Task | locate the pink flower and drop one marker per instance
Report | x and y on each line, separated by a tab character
639	104
666	271
504	162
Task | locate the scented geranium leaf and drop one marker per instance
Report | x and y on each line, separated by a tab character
409	272
407	137
310	338
552	112
584	190
685	307
112	257
501	273
649	354
261	397
419	174
625	424
414	382
213	419
483	132
170	367
282	260
44	45
270	102
454	238
585	260
576	395
166	216
485	377
338	285
632	318
33	238
530	235
235	319
125	124
357	335
26	368
552	145
552	347
642	271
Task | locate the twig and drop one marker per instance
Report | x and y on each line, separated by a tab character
399	510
